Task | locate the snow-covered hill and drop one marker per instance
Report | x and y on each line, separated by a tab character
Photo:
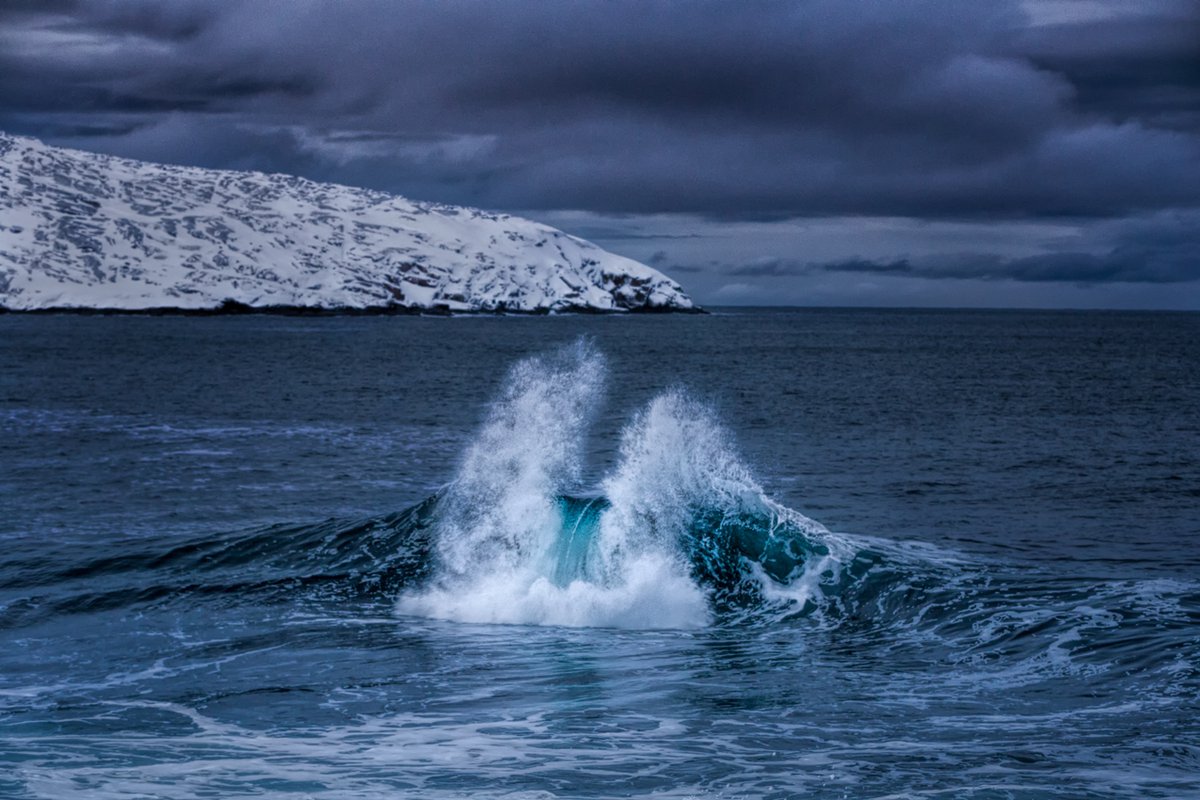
81	230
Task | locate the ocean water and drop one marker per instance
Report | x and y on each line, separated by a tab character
756	554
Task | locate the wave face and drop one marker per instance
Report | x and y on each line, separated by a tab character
678	532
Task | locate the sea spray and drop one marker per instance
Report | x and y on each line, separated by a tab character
675	460
681	488
681	525
498	520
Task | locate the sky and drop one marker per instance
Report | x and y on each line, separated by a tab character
991	153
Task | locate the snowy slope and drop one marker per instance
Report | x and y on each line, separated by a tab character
81	230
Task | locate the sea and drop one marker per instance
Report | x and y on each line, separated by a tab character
758	553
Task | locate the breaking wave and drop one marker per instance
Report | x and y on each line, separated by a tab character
677	535
679	530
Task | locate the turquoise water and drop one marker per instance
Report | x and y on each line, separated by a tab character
763	554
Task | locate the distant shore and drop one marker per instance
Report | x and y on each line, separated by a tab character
230	308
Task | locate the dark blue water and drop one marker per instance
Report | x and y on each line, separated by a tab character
857	554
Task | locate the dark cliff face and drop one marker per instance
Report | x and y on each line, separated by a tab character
86	231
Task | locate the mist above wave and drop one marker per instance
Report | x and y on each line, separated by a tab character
676	527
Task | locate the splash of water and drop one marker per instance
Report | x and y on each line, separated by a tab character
500	513
680	520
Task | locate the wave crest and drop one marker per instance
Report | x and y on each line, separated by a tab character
680	531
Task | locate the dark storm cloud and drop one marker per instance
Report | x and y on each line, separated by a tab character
612	233
770	268
757	110
1143	64
1076	267
1154	249
1164	248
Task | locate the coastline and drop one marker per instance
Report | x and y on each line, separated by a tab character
231	308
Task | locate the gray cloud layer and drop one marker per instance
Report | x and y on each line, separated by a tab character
952	147
1161	248
754	110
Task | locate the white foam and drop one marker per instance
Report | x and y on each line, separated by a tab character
501	510
500	520
675	457
654	592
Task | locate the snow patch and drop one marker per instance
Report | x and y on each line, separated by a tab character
83	230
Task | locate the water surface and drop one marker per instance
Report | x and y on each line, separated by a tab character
754	554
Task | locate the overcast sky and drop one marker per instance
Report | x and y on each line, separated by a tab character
964	153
